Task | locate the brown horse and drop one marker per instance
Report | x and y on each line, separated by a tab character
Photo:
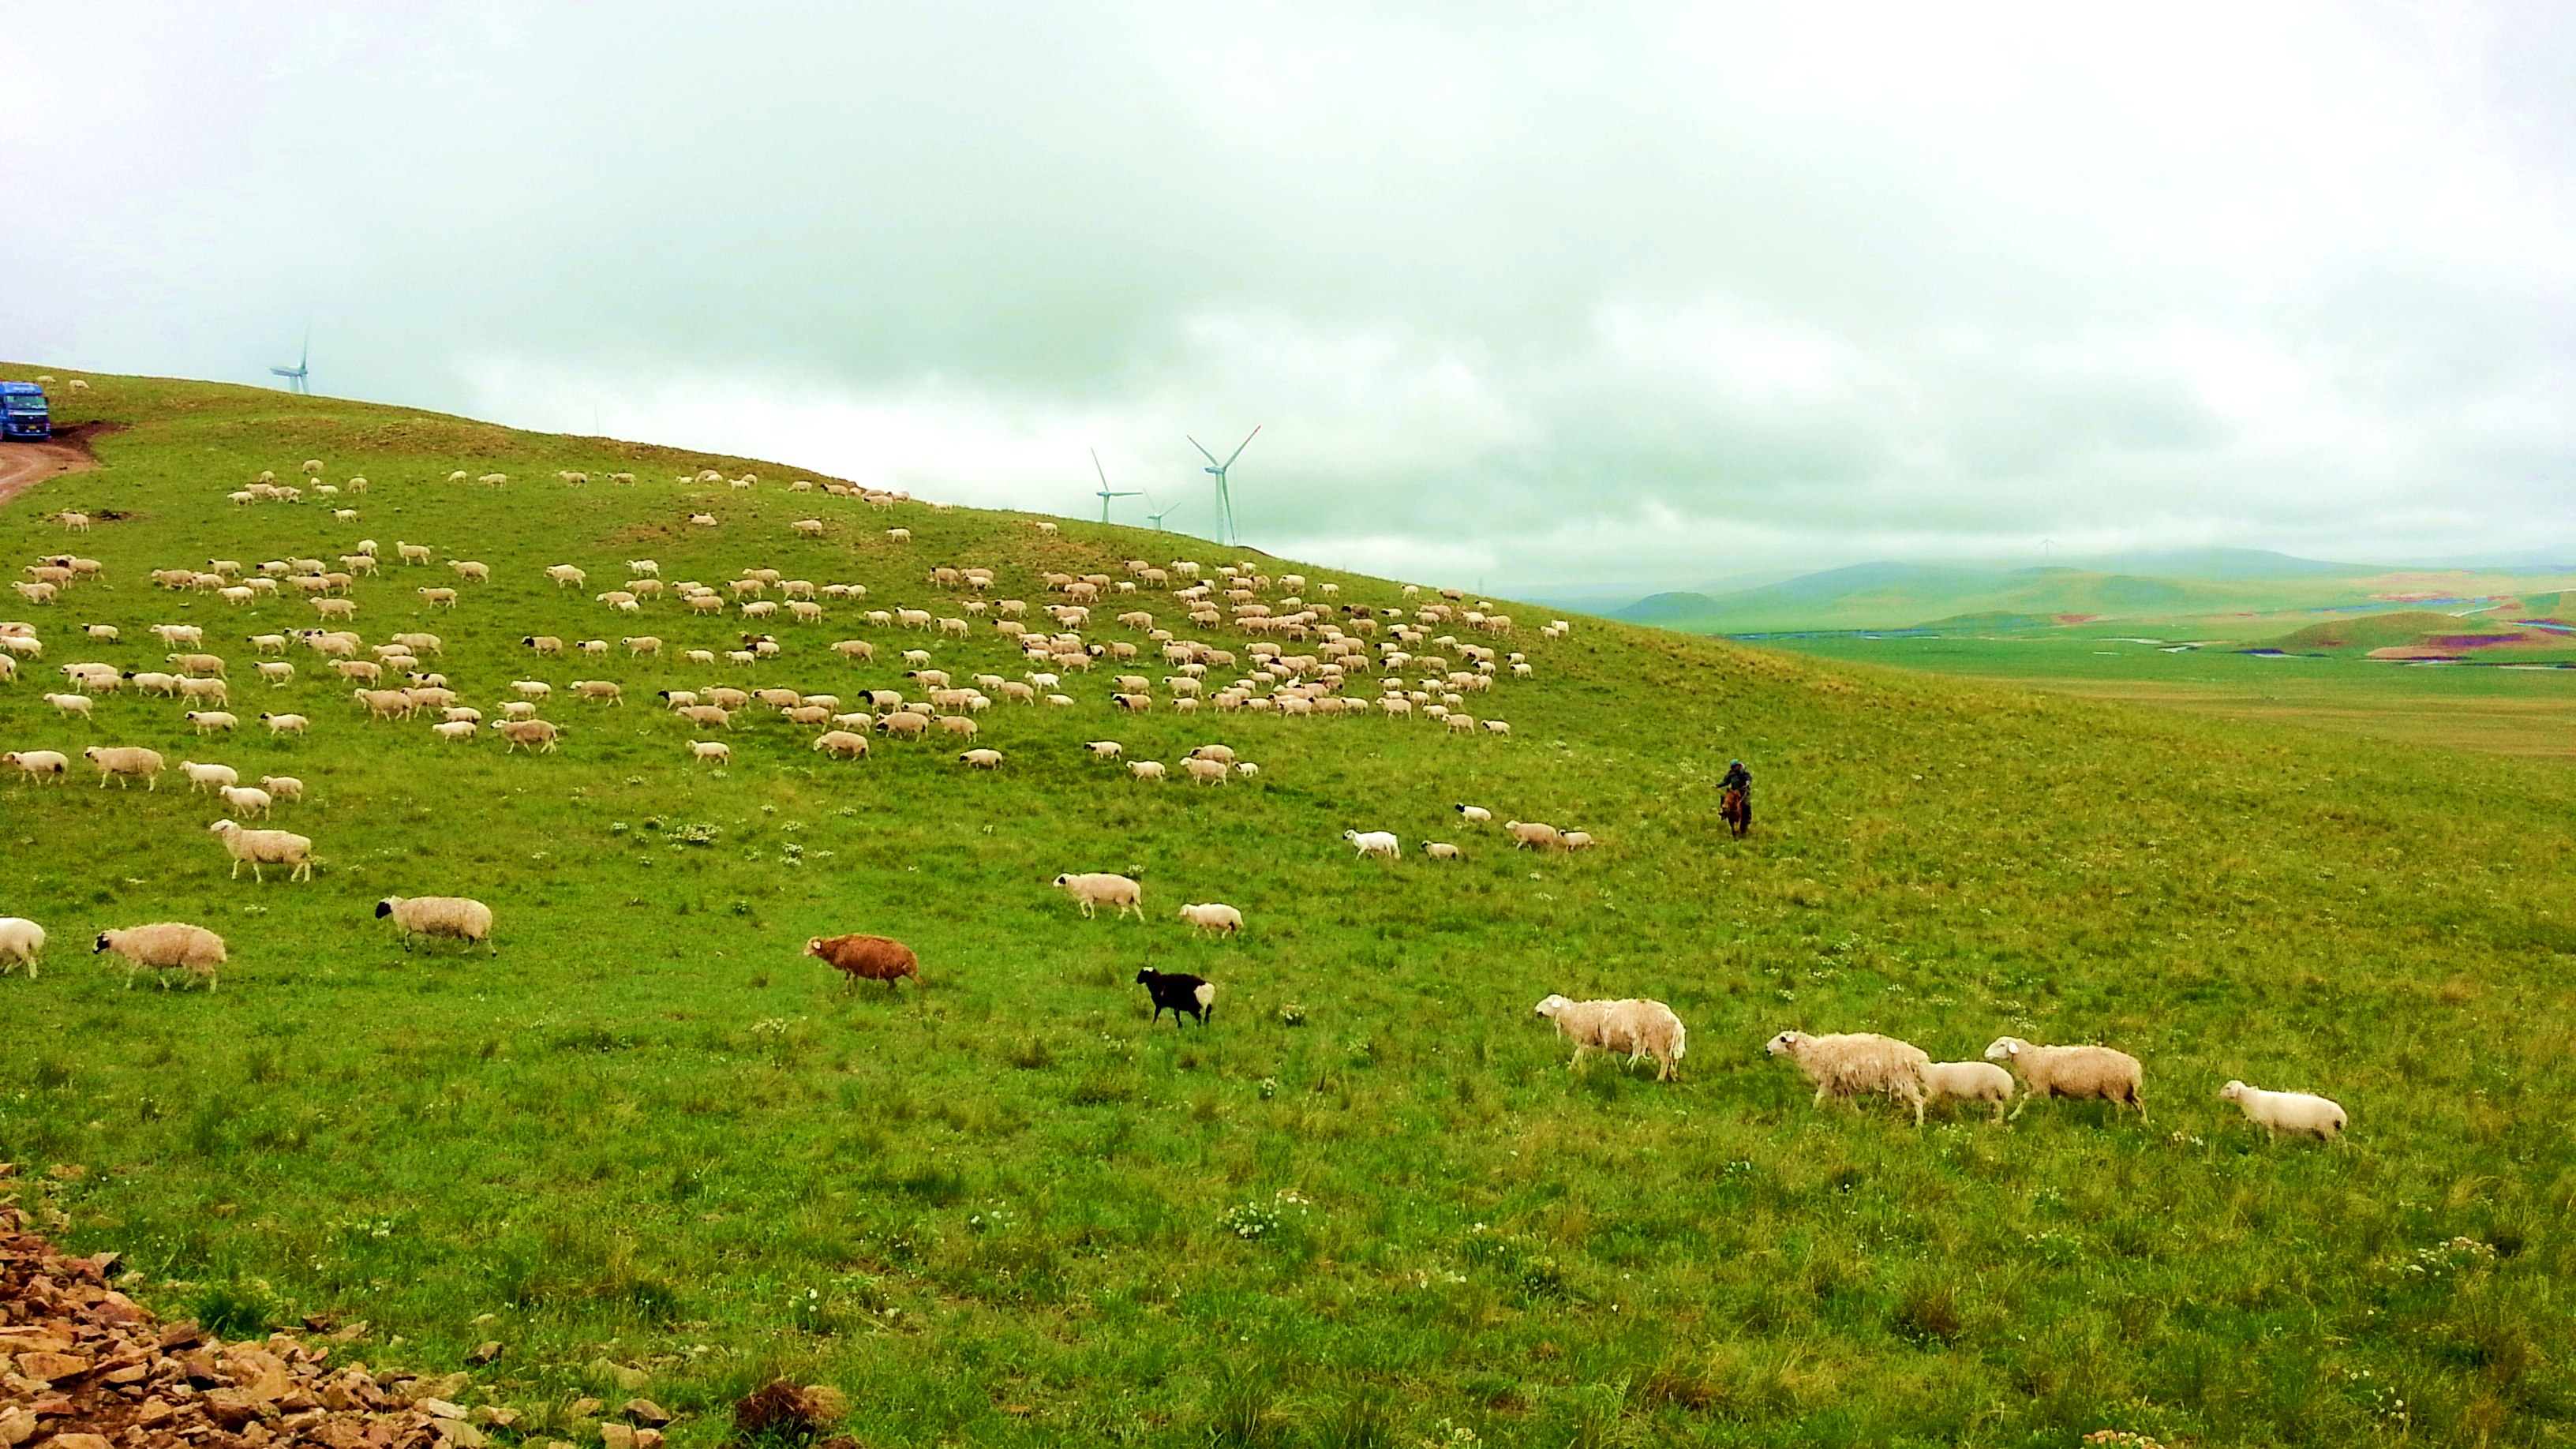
1736	808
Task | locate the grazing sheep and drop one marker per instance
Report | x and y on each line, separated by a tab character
1206	772
243	800
1104	749
1179	994
1224	920
123	762
36	764
2073	1071
1104	890
539	735
1380	843
210	719
1475	814
1968	1082
208	777
1645	1028
602	689
843	745
457	917
1849	1063
1527	833
2274	1112
265	847
165	946
70	703
714	752
282	787
866	958
1146	769
1441	850
981	759
1574	840
20	940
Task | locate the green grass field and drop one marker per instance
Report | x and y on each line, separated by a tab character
2513	711
1368	1205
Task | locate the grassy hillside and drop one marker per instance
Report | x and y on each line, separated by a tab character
648	1143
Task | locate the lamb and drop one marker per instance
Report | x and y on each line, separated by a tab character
1441	850
36	764
20	940
981	759
2073	1071
2274	1112
207	720
715	752
1179	994
1104	890
243	800
208	777
458	917
165	946
1104	749
1146	769
1380	843
124	762
1224	920
1968	1082
866	958
1475	814
1848	1063
265	847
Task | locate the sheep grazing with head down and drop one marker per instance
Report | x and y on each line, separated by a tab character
458	918
867	958
1847	1064
1178	993
166	946
2299	1113
2073	1071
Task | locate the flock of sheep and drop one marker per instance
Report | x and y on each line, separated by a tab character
390	682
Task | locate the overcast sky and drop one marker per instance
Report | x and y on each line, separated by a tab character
1532	297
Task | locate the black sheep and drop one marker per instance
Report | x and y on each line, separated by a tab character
1178	993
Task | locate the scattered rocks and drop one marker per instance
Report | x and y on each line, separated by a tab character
91	1369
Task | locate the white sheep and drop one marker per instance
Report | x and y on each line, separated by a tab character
1380	843
1968	1082
1104	890
1104	749
20	940
457	917
1441	850
2274	1112
1849	1063
165	946
282	787
714	752
1475	814
1224	920
265	847
122	762
1146	769
981	759
1530	832
1645	1028
2073	1071
244	800
208	777
37	764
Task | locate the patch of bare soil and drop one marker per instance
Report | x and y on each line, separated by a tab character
24	465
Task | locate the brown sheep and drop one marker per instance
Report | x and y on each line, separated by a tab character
867	958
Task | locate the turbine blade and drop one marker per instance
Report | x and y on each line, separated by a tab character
1202	447
1239	447
1096	468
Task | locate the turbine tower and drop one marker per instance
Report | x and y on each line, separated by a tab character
1106	493
1224	500
295	376
1156	518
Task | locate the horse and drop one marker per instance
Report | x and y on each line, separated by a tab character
1736	808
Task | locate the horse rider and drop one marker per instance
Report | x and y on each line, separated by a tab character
1738	778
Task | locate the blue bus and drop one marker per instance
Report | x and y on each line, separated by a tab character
23	413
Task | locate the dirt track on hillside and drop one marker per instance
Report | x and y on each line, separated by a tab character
24	465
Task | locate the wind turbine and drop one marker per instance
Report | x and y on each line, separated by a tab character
295	376
1106	493
1156	519
1224	499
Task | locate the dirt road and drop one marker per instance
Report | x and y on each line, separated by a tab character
24	465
